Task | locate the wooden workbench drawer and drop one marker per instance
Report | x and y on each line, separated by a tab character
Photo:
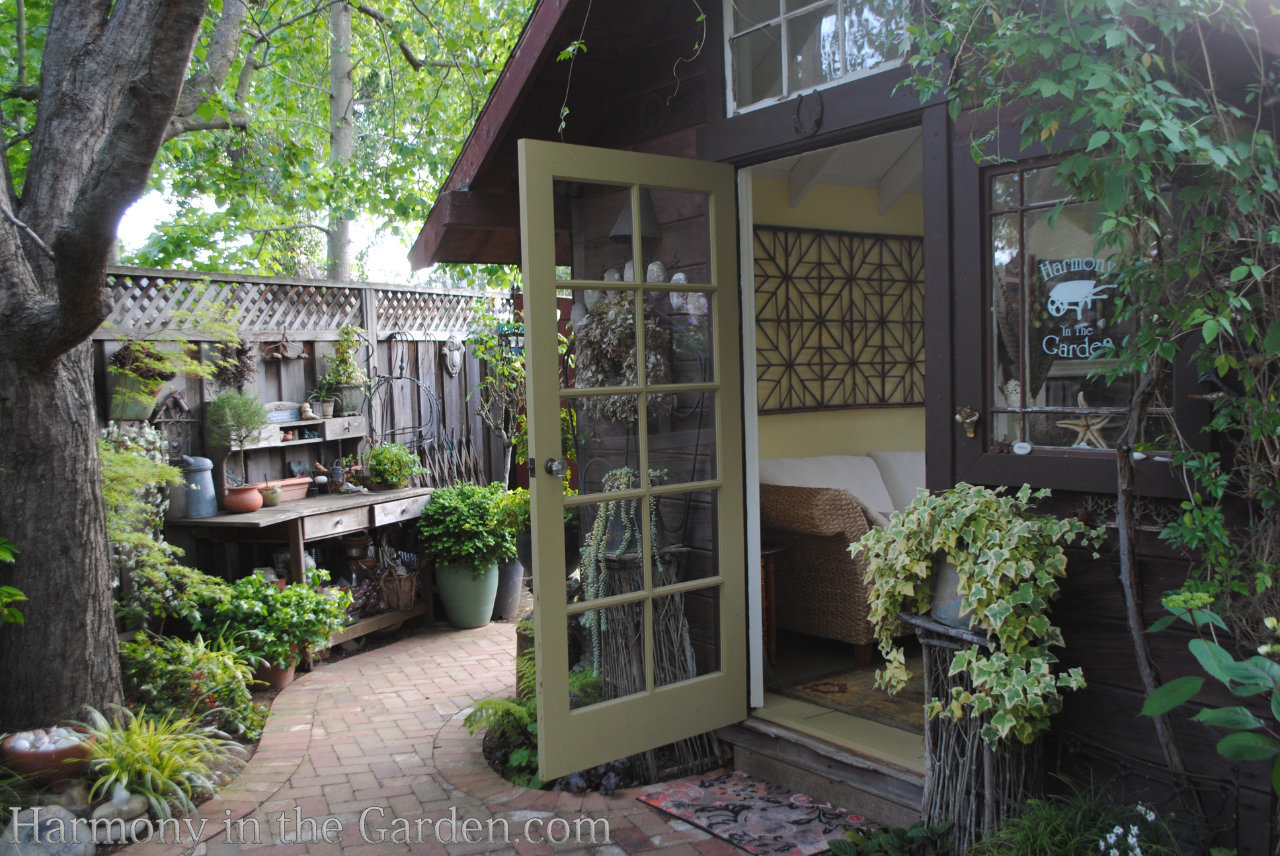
402	509
344	426
334	523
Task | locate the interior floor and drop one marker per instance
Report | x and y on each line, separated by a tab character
803	662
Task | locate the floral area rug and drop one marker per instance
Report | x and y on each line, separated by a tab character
854	692
752	814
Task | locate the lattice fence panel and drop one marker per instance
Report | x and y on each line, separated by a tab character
145	302
839	319
426	315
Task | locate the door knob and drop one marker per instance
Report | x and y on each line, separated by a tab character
557	467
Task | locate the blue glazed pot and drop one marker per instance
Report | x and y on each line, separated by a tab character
467	602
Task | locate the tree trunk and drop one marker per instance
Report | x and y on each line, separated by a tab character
64	656
109	79
342	132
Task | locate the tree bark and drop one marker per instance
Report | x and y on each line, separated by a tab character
110	77
342	132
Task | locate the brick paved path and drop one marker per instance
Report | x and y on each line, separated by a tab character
380	736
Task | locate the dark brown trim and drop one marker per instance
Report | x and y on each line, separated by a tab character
936	142
866	107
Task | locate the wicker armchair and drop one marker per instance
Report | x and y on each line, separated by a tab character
820	589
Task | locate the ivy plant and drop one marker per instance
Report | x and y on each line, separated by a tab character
1009	561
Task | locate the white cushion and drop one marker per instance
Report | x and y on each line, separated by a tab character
854	473
903	474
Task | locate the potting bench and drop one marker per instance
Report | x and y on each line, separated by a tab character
302	521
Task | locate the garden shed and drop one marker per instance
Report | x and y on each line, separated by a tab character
830	293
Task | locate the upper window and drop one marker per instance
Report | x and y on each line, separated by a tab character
782	48
1053	305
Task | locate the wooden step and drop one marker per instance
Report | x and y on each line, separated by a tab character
876	789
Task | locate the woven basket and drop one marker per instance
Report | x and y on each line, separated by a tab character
399	592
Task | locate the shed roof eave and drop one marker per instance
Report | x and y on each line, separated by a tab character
532	50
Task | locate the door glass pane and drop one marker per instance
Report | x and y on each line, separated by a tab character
686	634
813	48
604	341
757	65
680	247
606	650
593	231
688	315
682	443
613	539
687	543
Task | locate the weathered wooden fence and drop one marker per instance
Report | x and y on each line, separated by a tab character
409	328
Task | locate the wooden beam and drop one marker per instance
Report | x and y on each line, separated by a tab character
804	175
906	170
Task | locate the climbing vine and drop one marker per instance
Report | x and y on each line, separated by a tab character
1149	126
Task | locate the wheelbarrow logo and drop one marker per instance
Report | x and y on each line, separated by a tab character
1077	294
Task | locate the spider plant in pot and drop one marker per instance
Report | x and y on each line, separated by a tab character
461	529
1008	561
234	419
325	394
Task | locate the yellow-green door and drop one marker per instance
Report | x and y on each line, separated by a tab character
638	578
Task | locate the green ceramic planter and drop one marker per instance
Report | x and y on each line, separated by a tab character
467	602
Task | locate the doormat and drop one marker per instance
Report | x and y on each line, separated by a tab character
754	815
854	692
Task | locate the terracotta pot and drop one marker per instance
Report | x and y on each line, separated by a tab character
243	498
274	676
42	769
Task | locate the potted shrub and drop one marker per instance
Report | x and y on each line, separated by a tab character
277	626
345	376
391	465
513	516
1008	562
235	418
460	529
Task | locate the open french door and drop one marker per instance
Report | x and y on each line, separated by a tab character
642	642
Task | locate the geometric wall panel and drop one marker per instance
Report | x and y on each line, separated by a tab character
839	319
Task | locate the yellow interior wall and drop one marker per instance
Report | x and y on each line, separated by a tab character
838	432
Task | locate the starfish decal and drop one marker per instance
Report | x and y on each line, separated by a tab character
1088	426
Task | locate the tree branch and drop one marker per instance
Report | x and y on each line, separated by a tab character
416	63
91	159
224	44
9	215
177	127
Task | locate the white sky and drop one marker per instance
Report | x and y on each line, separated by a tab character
386	261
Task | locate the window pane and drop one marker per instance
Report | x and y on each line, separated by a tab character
757	65
1041	186
1053	307
748	13
873	33
1004	191
813	43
